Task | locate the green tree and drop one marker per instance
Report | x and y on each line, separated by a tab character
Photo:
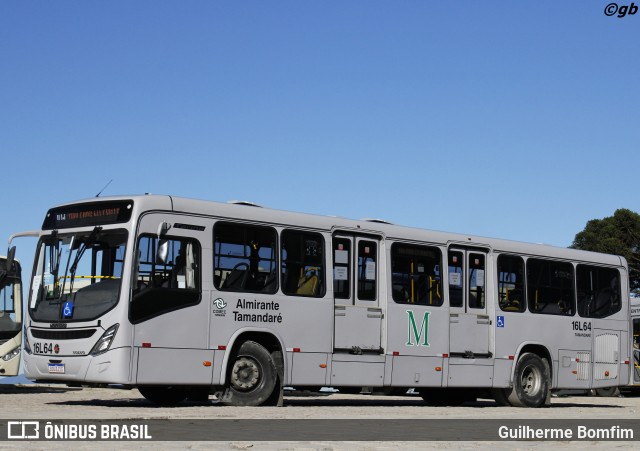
618	234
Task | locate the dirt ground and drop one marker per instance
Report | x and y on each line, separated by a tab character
53	402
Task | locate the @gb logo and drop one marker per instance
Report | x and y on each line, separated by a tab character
26	430
620	11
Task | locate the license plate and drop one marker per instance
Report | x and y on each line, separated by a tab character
56	368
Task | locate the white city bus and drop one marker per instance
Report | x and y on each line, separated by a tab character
179	296
10	315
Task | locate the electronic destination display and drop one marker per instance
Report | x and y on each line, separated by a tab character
88	214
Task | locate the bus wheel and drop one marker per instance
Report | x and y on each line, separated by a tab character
164	395
530	382
252	378
607	392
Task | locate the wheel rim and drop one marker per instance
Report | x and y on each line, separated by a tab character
245	375
531	380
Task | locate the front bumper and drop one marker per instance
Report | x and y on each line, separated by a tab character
112	367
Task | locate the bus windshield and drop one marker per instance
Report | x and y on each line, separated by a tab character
77	275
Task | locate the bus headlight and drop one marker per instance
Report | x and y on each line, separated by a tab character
105	341
27	345
11	354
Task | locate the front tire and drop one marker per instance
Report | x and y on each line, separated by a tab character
531	382
252	377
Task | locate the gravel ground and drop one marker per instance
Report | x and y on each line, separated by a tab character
46	403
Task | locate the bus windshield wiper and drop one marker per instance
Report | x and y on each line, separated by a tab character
71	271
82	248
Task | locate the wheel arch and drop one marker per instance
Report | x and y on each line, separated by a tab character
538	349
266	338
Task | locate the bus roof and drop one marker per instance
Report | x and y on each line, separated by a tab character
222	210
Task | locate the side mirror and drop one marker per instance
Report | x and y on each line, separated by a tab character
11	255
162	252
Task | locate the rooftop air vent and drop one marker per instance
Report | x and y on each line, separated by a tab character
244	202
379	221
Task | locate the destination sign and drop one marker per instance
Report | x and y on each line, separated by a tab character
89	214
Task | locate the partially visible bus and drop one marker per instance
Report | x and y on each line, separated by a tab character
179	296
10	315
635	321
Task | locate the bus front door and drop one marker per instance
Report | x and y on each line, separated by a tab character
469	323
358	316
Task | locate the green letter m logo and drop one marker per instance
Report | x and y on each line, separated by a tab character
417	334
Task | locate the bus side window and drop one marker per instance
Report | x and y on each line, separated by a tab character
455	279
302	263
167	285
367	272
511	283
550	287
598	291
341	268
244	258
179	270
476	281
415	273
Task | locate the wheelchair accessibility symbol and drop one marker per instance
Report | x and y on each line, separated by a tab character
67	310
500	321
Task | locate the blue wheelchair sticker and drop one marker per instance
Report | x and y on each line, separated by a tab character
67	310
500	321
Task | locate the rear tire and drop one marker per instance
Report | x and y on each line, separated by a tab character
252	377
531	382
164	395
607	392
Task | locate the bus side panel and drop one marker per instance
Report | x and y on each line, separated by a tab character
163	365
470	373
557	331
411	371
574	369
309	368
357	371
112	367
606	358
418	338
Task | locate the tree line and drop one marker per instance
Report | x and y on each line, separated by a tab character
618	234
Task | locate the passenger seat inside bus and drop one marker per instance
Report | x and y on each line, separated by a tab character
236	279
308	282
